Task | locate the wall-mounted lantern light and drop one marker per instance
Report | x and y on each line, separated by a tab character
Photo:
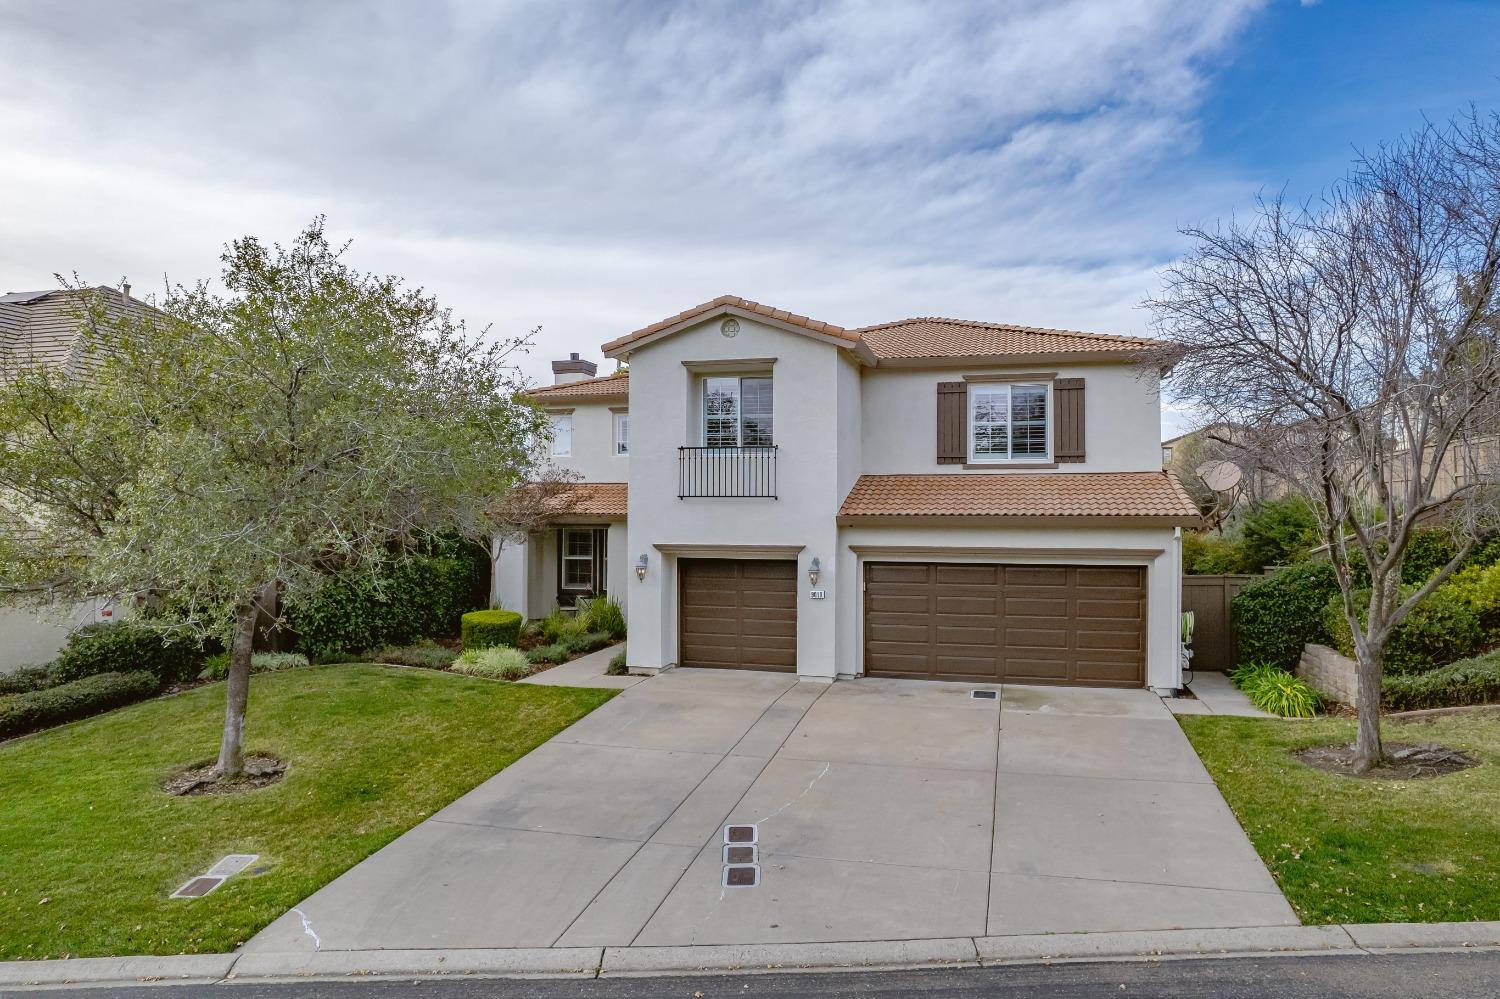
640	567
813	569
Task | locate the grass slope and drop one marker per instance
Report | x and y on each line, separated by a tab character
90	847
1362	851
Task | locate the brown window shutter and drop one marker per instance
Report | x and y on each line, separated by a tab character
1067	420
952	423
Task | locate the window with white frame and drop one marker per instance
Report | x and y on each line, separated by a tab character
562	434
578	559
738	412
1008	422
622	433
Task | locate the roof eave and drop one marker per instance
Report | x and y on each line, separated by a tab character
1016	520
622	347
1111	356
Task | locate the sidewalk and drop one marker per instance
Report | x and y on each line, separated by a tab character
1215	696
1372	939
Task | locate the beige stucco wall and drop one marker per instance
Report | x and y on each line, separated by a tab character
1122	417
593	455
816	392
32	636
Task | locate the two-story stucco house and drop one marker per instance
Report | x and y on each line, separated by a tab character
929	498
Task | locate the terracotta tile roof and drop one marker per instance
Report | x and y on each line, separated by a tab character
744	304
596	499
1033	494
609	386
935	337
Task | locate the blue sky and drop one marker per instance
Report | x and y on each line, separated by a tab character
592	167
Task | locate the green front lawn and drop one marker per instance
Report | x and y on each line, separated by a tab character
90	847
1348	850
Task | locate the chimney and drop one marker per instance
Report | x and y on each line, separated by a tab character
125	293
572	370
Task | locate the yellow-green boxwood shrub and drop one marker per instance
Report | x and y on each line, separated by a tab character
1438	630
483	628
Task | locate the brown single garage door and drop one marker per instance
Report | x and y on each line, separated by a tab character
1072	624
737	613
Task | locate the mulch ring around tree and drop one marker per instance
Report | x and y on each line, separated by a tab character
261	770
1404	761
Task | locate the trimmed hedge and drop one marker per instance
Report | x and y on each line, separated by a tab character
1438	630
1275	617
27	679
423	596
484	628
20	713
124	647
1468	681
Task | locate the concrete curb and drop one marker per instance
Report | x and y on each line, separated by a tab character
186	969
527	962
591	962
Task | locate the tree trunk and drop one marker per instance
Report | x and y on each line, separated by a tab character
237	689
1368	750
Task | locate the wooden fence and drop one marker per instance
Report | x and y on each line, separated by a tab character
1213	634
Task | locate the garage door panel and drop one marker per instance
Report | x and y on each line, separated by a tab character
737	613
1033	623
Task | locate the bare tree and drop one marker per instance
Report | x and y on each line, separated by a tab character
1354	344
528	509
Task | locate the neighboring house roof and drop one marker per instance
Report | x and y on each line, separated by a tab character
586	389
1066	496
935	337
595	499
929	339
48	328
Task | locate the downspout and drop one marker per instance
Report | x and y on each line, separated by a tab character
1177	607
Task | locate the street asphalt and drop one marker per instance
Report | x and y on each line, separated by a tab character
1470	975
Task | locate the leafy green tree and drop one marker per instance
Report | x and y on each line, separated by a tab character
308	421
1277	532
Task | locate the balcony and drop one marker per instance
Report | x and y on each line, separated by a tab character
727	472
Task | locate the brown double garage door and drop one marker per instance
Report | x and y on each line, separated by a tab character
1066	624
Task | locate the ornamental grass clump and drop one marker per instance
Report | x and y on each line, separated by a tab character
1273	689
494	662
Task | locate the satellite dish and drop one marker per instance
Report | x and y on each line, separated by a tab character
1220	476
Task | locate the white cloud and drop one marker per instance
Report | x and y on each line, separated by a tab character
592	168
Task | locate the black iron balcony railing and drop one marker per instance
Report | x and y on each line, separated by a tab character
734	472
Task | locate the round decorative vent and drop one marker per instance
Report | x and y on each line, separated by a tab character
729	327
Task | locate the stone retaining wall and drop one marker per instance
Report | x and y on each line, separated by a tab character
1331	674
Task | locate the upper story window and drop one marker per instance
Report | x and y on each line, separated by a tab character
622	433
1008	422
562	434
737	412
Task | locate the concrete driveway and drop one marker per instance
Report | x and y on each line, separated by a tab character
885	810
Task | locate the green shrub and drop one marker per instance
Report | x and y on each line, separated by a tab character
587	642
423	655
554	653
216	667
421	596
495	662
559	625
1277	532
1477	587
27	679
1438	630
617	665
1428	551
602	614
1468	681
1205	554
125	647
37	709
484	628
1275	617
1273	689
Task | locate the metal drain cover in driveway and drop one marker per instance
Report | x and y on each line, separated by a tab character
742	876
984	695
739	834
740	854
